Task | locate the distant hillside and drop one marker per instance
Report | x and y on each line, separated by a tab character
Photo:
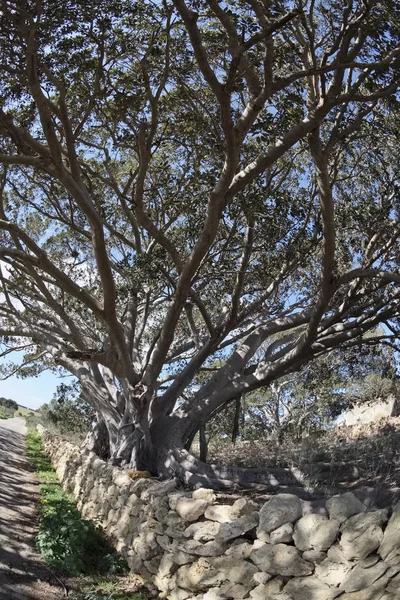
24	411
23	408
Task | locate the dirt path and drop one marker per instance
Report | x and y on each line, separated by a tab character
22	573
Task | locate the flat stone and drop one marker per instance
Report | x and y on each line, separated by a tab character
302	588
220	513
179	594
280	509
360	578
166	543
198	576
205	494
282	535
174	497
343	506
335	553
261	577
234	529
191	509
331	572
237	591
389	549
212	594
160	488
268	591
374	592
362	534
211	548
181	558
225	513
234	570
189	546
281	560
315	532
167	566
314	556
203	532
242	550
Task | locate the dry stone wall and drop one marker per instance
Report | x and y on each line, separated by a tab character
193	547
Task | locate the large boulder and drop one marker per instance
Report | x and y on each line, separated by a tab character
362	534
199	576
361	578
390	546
344	506
302	588
315	532
280	509
281	559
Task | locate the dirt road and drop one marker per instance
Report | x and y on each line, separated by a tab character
22	573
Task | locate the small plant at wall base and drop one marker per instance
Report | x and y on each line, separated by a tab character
66	541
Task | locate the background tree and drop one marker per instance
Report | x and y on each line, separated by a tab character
67	412
181	182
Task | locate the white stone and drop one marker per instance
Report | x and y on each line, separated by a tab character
331	572
191	509
222	513
205	494
315	532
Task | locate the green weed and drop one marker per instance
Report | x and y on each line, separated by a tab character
66	541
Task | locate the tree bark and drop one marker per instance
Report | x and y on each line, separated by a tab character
236	419
203	443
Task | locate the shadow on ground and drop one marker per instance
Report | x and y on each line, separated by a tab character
23	575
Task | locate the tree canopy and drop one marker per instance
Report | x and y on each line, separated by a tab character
197	199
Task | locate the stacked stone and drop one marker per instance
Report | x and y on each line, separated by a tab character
192	547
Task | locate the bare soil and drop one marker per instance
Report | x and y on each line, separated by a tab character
23	575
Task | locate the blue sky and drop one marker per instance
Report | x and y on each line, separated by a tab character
32	392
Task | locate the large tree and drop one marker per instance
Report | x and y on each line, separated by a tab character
197	198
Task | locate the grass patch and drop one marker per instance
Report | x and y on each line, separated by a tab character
111	588
70	544
3	415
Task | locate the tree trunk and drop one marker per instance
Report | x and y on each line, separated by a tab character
98	440
203	443
236	420
162	453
